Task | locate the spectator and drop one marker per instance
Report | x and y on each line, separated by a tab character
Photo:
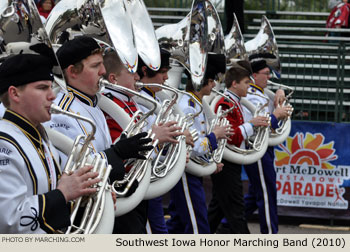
44	8
339	17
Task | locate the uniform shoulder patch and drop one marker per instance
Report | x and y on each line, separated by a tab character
191	103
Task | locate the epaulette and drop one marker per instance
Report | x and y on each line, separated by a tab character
66	101
191	103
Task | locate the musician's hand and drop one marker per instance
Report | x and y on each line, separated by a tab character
260	121
218	168
280	97
222	131
189	138
78	183
282	112
166	132
130	147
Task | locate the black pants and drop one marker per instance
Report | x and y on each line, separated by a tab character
227	201
133	222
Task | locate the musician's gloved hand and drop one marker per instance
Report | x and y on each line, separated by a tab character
130	147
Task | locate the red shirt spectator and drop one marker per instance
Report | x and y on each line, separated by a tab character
339	15
45	7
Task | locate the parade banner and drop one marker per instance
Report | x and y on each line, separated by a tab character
313	166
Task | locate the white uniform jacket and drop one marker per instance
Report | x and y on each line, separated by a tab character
152	118
256	100
77	102
29	200
206	142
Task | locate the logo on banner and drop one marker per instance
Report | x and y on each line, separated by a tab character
306	176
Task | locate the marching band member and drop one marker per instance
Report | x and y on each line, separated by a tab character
82	63
262	193
155	221
187	207
135	220
155	214
34	195
227	192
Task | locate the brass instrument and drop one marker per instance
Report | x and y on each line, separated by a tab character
256	148
95	211
187	43
112	24
234	44
220	119
140	170
167	172
264	47
280	134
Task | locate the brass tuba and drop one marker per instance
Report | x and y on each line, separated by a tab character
264	47
166	170
187	43
98	208
236	56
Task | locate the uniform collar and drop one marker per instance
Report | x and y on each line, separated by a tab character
26	127
257	87
233	95
195	96
88	100
149	91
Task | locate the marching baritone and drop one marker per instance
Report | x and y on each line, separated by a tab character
227	191
262	193
155	221
187	206
34	195
133	222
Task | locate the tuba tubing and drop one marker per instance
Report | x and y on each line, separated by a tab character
65	144
123	205
195	168
284	131
166	183
160	186
233	153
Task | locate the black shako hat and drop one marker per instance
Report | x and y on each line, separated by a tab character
258	65
216	64
164	58
75	50
22	69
